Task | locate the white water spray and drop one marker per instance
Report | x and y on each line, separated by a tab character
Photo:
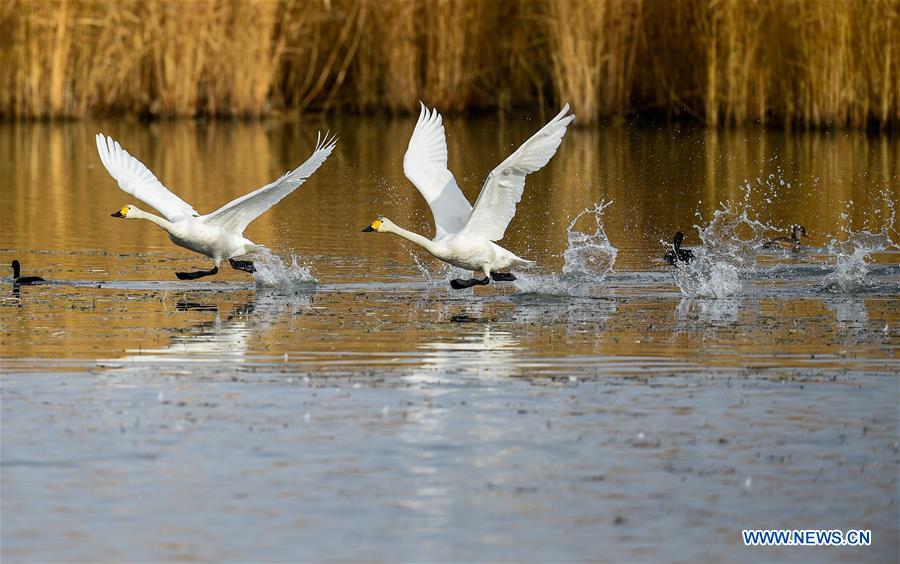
588	259
852	253
271	270
589	255
731	241
438	275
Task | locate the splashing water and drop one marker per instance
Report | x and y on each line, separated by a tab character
271	270
438	275
423	268
706	278
851	254
589	257
730	244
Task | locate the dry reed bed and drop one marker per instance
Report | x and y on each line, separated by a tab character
805	63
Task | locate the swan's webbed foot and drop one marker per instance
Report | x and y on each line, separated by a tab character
197	274
459	284
503	276
245	265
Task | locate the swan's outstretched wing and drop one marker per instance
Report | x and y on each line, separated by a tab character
496	204
237	214
425	164
136	179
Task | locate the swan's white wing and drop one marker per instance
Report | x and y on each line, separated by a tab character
496	205
237	214
136	179
425	164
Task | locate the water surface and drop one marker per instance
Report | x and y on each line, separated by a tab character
378	415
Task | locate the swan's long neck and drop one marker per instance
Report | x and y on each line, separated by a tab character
423	242
141	214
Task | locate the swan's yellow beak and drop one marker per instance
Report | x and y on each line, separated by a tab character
374	227
121	213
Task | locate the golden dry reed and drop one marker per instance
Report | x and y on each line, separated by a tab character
807	63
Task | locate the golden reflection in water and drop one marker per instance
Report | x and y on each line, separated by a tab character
234	332
56	195
347	331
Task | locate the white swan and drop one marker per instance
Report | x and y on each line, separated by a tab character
464	236
218	235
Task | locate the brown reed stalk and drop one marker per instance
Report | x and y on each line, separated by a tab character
248	52
593	51
386	68
450	28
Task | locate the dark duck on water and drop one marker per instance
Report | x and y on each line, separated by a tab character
676	253
23	280
792	242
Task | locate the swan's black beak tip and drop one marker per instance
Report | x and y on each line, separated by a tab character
117	214
368	229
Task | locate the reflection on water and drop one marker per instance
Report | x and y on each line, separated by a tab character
594	415
849	313
226	340
483	354
707	313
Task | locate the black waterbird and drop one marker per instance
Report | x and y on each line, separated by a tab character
676	253
23	280
792	242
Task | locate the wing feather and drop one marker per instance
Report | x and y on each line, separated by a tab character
136	179
237	214
503	188
425	165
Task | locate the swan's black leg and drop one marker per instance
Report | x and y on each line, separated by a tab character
503	276
459	284
195	275
245	265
